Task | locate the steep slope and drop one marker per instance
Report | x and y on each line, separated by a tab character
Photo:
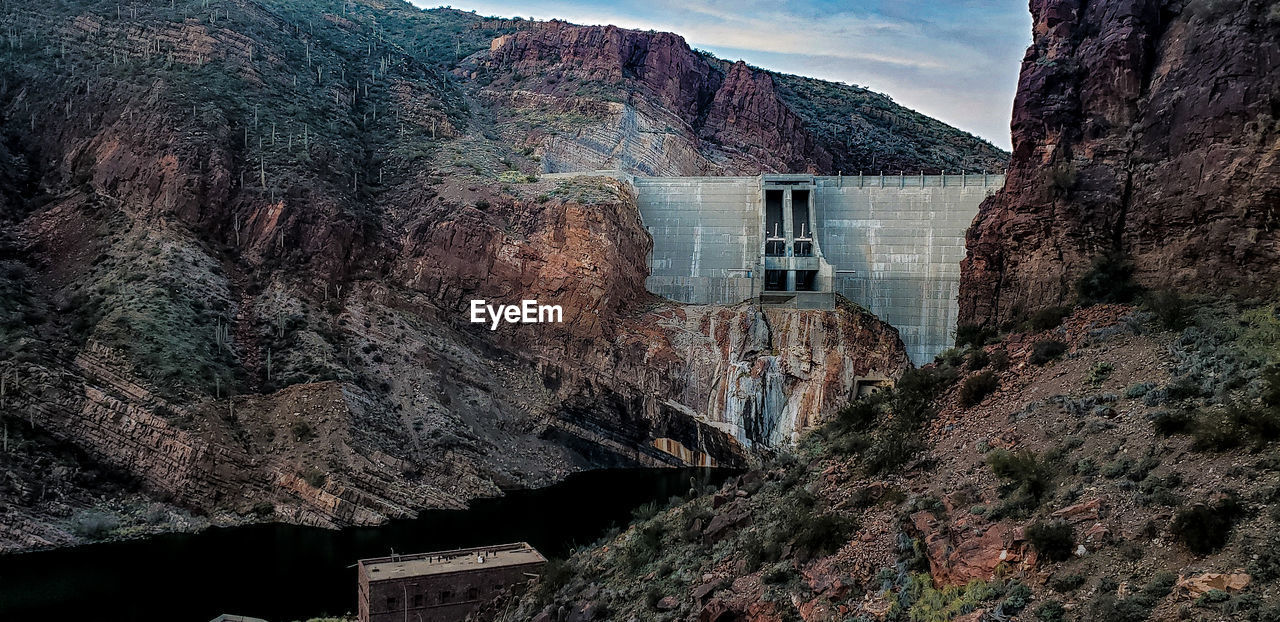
584	97
1143	129
239	244
1131	477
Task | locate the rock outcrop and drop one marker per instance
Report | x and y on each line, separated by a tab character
640	98
237	269
1141	128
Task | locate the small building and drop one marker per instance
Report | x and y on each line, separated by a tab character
443	586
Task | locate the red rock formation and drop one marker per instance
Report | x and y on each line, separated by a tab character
645	102
1140	127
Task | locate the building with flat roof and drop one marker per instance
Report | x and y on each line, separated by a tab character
442	586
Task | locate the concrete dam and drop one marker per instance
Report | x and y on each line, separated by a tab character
892	244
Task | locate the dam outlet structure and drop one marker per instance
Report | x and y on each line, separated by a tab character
890	243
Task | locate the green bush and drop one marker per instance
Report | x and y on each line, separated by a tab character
1000	360
1171	310
1107	607
1100	372
885	429
1027	479
1051	611
824	534
973	336
1109	279
978	359
1048	318
977	387
1205	528
1067	583
1265	565
1054	541
1046	350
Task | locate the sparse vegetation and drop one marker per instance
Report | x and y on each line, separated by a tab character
1109	279
1027	479
977	387
1046	350
1205	528
94	524
1054	541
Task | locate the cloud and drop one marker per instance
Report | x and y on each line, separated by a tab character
956	61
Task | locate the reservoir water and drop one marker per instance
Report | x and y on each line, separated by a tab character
285	572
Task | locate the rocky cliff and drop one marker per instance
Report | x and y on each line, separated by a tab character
645	102
238	251
1143	129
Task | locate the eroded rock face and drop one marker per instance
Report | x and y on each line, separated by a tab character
239	307
759	375
1140	127
603	97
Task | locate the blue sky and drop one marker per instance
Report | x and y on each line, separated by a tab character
954	60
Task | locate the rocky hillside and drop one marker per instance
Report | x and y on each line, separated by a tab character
1145	136
239	243
1115	465
605	97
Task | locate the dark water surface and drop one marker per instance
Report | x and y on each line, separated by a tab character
283	573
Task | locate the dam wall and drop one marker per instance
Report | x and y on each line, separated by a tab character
891	243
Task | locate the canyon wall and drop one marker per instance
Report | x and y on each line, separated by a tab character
1144	129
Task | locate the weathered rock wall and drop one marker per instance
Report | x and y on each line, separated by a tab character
1146	128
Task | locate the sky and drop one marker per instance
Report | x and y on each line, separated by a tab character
954	60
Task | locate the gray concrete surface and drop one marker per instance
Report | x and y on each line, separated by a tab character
894	243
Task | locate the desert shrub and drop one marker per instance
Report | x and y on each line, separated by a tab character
1000	360
1100	372
1048	318
973	336
1161	490
977	387
1136	390
1026	477
482	204
645	545
1170	422
302	430
929	604
1205	528
1109	279
1055	541
1046	350
94	524
1107	607
1017	598
978	359
951	357
556	574
1051	611
1220	429
1062	179
1067	583
779	573
315	477
1265	565
885	429
824	533
1171	310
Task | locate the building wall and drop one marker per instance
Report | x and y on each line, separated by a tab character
435	598
901	236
